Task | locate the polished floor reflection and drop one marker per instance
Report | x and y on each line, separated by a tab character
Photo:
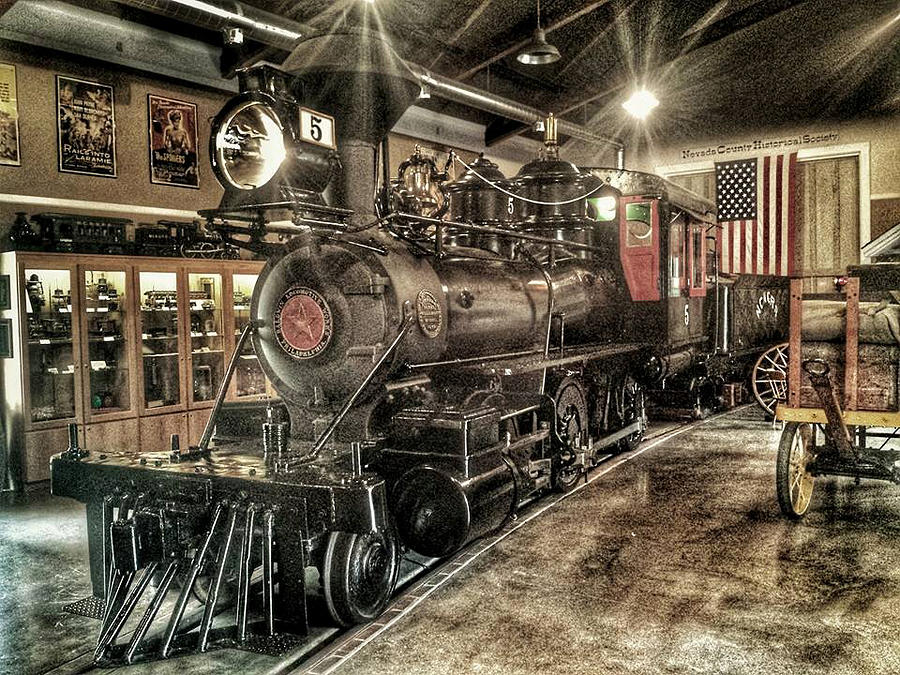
677	561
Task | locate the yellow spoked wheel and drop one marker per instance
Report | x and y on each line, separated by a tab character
793	479
769	378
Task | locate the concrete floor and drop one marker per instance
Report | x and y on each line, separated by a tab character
675	562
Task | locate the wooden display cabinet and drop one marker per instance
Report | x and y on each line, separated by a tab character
131	350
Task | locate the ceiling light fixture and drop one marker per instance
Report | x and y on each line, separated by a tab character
640	104
538	51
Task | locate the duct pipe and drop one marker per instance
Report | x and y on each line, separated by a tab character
458	92
257	24
283	33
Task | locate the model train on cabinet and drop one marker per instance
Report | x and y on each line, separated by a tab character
442	354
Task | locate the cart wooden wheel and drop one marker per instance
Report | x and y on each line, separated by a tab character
793	479
770	377
358	575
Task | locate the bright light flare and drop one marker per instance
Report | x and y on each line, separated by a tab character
640	104
249	146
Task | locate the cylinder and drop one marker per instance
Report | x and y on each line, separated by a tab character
437	512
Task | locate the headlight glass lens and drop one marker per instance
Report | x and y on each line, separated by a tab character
249	146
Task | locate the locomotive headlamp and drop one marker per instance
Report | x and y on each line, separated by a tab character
248	144
265	144
603	205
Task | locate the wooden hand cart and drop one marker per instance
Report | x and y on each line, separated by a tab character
841	414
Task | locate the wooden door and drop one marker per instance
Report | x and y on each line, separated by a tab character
827	216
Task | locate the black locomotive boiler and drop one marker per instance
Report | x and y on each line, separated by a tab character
434	373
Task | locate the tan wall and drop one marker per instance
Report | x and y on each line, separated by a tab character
883	135
39	176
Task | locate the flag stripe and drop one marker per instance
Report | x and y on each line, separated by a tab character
776	206
764	244
762	216
792	212
726	247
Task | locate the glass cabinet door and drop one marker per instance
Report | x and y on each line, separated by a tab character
108	373
159	338
51	358
248	376
207	340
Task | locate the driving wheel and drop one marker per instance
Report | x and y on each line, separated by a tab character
634	409
769	378
793	478
358	575
571	421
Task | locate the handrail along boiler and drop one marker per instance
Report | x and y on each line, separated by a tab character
434	372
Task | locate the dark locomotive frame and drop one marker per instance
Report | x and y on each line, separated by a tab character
434	373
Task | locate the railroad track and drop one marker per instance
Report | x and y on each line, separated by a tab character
328	647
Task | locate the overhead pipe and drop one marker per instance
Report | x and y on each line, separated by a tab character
283	33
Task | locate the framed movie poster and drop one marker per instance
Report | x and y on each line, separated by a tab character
173	142
9	117
86	126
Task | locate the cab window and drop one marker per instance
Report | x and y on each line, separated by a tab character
697	254
676	257
638	225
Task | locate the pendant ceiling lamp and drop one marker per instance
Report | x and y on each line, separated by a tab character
538	51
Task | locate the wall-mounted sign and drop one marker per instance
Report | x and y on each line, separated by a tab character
86	127
173	142
787	143
6	342
5	299
9	117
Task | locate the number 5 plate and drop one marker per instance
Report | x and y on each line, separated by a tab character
317	128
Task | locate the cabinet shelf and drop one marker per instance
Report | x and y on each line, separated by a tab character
132	351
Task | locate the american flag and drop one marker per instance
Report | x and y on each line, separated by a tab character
755	201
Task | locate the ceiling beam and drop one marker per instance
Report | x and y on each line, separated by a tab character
565	21
5	5
473	17
499	129
696	40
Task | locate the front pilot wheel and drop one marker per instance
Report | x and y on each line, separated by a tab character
358	575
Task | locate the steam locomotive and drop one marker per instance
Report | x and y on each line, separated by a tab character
436	369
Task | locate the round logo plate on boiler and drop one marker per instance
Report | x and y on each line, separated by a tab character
428	313
303	323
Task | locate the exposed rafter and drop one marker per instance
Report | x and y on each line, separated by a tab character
555	25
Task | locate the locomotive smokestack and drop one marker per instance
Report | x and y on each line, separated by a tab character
358	78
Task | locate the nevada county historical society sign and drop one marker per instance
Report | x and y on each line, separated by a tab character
756	145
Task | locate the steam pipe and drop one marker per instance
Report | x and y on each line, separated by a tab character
283	33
